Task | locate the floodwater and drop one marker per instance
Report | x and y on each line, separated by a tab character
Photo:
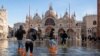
88	48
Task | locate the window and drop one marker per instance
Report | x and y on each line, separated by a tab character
38	25
77	24
1	27
88	31
94	22
49	21
1	20
60	24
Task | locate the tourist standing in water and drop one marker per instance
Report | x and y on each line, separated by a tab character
19	35
30	38
52	43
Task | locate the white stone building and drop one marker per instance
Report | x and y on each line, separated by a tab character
3	23
90	24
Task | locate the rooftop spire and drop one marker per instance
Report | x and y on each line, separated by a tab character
50	6
69	10
36	12
2	6
74	14
42	16
66	13
29	10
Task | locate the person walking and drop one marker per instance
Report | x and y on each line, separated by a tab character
19	35
63	36
39	32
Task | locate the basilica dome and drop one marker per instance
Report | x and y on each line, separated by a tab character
50	12
36	17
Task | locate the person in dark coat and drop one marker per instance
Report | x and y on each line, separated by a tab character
51	35
39	32
19	35
63	36
31	36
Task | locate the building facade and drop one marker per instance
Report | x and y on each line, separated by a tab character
51	20
16	26
3	23
89	26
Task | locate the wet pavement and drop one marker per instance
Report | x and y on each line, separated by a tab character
9	48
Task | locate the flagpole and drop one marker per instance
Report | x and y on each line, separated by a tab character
69	10
29	15
69	14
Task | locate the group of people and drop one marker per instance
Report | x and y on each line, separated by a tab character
31	36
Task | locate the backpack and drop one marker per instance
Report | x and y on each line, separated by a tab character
52	42
17	33
33	34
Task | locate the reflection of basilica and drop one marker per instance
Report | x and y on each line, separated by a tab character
51	20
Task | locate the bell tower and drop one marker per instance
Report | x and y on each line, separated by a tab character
98	19
3	23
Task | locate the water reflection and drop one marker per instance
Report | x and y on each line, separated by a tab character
7	48
64	50
3	47
87	48
3	44
52	50
98	44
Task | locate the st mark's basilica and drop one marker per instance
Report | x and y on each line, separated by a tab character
52	20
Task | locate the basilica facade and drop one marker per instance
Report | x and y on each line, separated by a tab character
52	20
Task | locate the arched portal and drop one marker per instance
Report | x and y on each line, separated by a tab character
60	30
71	33
48	29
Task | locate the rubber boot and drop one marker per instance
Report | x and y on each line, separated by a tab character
24	53
31	54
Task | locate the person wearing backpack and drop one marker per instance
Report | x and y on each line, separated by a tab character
19	35
31	36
